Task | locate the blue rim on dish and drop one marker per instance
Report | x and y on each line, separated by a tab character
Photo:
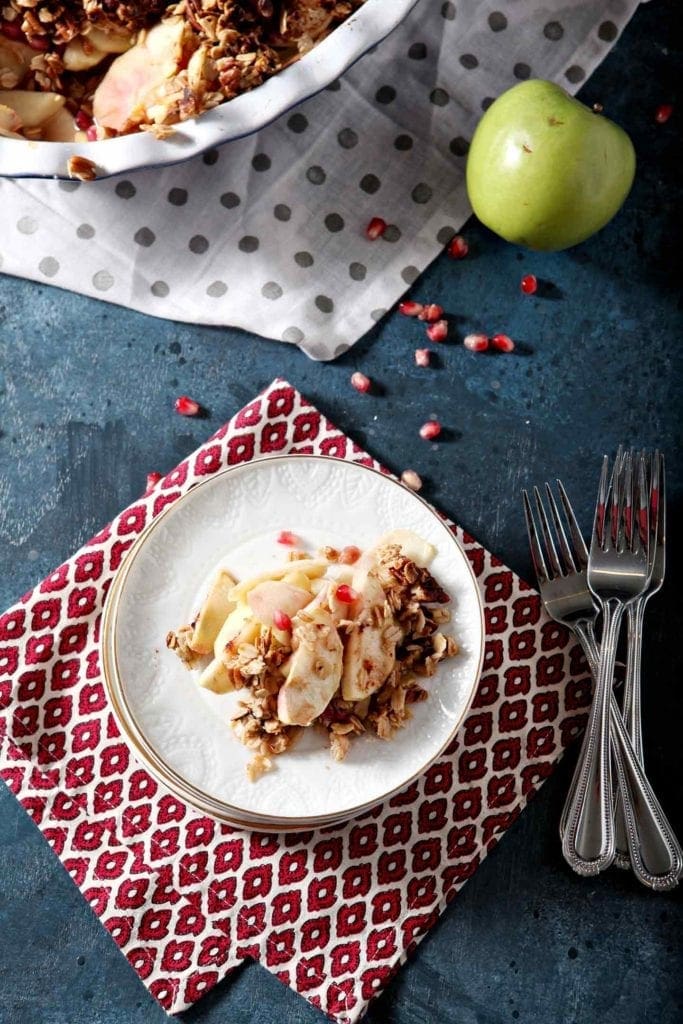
244	115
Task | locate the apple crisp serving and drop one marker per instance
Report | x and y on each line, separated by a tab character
319	641
79	70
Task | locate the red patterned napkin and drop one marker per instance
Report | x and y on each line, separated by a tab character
333	912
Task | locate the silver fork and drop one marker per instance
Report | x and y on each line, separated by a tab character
567	599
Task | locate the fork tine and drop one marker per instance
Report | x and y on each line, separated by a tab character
551	552
579	544
641	503
655	491
569	563
661	511
628	499
599	532
536	552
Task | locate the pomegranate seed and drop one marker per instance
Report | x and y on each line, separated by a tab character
502	343
528	284
458	248
186	406
438	331
663	113
12	30
287	538
346	594
83	121
152	480
409	308
430	430
431	313
476	342
376	228
349	554
411	479
281	620
422	356
38	43
360	382
91	133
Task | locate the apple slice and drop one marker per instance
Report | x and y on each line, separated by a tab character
213	613
15	57
10	123
315	669
59	128
216	678
33	108
371	646
239	627
310	567
276	595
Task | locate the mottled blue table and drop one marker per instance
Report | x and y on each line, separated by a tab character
86	411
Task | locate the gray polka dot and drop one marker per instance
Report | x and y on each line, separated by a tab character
85	231
347	138
125	190
198	244
497	21
297	123
403	143
439	97
385	94
370	183
377	314
392	233
521	71
553	30
459	146
418	51
217	289
608	31
303	259
210	157
271	290
230	200
48	266
324	303
487	101
445	234
293	335
410	274
334	223
261	162
575	74
160	289
27	225
177	196
249	243
469	61
316	175
144	237
72	186
422	193
448	11
357	271
334	86
102	280
282	212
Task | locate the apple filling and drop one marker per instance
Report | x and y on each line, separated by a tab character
320	643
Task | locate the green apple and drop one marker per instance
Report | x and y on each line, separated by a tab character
545	171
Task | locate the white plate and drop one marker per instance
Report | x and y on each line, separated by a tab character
232	519
234	119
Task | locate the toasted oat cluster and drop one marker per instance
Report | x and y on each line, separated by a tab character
341	643
93	69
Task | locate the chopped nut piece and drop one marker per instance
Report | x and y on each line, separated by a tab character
82	168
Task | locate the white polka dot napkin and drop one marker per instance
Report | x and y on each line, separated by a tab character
267	233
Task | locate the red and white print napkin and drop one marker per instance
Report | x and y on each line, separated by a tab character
334	912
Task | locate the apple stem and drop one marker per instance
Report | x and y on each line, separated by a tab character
598	108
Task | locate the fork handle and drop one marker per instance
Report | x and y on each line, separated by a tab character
631	712
588	841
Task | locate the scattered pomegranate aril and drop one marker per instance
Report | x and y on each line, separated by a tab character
438	331
287	538
375	228
360	382
346	594
152	480
91	133
411	479
476	342
528	284
281	620
430	430
422	356
502	343
431	313
663	113
349	555
458	248
38	43
409	308
82	121
186	406
12	30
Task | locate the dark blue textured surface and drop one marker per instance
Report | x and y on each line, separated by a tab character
86	412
